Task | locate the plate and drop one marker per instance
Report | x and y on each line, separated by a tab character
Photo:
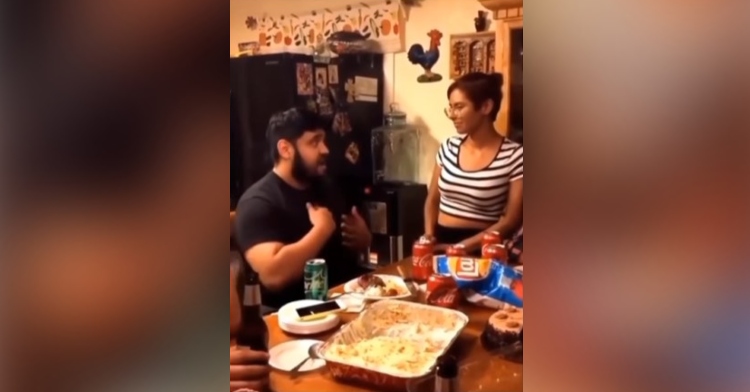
289	322
286	356
351	288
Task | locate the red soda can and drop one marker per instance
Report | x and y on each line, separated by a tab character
443	291
457	250
421	258
491	238
495	252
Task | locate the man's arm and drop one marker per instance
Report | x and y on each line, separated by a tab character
260	233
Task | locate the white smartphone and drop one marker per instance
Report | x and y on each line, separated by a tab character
314	312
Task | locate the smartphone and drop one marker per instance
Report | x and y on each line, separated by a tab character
319	311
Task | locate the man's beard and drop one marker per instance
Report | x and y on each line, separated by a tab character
302	172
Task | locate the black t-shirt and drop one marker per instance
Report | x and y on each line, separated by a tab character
273	211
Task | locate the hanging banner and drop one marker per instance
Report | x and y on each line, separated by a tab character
380	21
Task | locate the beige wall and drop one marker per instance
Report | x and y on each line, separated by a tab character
423	103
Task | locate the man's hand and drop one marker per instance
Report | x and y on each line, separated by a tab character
248	369
354	231
321	217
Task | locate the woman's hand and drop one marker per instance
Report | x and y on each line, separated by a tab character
248	369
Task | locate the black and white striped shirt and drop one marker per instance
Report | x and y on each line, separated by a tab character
482	194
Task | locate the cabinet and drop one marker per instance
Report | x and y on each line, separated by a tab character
508	17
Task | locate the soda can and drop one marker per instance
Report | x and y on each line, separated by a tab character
316	279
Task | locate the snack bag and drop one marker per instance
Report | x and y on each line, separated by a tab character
483	282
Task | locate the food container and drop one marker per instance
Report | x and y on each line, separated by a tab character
394	319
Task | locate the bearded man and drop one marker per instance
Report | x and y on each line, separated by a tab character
294	213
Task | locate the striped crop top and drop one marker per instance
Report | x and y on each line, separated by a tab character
482	194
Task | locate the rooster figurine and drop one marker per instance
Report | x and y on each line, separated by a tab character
427	59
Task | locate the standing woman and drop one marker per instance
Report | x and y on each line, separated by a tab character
477	184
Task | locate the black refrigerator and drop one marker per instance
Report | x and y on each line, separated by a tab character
264	85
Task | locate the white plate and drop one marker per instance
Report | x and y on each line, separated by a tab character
286	356
289	322
351	288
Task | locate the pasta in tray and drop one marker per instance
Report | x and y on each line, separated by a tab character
389	354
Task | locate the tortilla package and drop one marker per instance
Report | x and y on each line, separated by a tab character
484	282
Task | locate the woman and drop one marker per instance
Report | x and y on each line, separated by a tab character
477	184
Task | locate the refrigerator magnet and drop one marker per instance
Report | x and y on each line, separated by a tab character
341	123
350	90
321	77
325	108
304	79
352	153
333	74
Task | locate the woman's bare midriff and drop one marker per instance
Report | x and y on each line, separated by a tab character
461	223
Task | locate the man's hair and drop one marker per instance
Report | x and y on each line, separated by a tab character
290	125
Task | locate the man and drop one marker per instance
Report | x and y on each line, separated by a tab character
295	214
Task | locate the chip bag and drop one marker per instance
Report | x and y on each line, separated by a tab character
483	282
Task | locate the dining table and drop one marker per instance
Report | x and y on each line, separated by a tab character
494	371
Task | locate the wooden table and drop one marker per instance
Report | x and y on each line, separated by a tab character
467	348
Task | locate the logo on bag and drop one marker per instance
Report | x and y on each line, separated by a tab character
468	268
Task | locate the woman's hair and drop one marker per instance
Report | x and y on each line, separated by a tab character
480	87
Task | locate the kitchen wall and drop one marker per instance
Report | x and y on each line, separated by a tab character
423	102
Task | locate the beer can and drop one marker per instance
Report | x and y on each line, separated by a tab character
316	279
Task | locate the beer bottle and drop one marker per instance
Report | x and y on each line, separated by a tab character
446	374
253	332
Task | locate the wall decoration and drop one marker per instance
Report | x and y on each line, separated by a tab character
347	19
427	58
333	74
481	22
382	22
474	52
275	32
307	29
379	23
251	23
248	47
304	79
321	77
